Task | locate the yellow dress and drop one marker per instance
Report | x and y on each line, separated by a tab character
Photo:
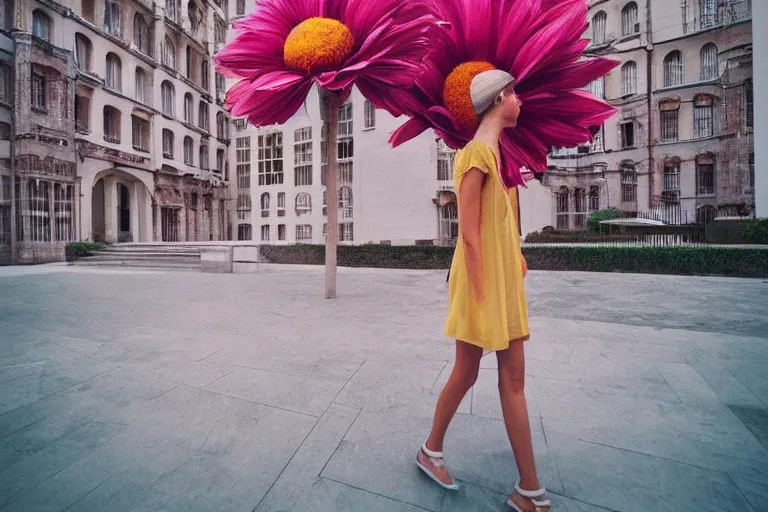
503	316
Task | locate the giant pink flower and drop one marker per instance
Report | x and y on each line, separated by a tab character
285	46
539	43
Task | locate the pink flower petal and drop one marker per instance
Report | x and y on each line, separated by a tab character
409	130
266	107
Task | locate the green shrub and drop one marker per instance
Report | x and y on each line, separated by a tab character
75	250
676	260
593	222
559	237
754	231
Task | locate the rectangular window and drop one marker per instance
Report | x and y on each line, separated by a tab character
628	185
170	219
270	159
244	201
281	232
265	233
370	115
669	124
281	204
302	157
346	232
140	133
749	106
82	114
5	83
597	142
752	171
38	91
627	134
5	210
670	193
445	157
303	232
244	232
33	212
63	208
705	179
703	122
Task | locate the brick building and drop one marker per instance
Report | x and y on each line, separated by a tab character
682	147
116	126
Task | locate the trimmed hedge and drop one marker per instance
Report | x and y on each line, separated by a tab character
593	222
754	231
680	260
77	250
561	237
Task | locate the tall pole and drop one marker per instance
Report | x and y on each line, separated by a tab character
332	195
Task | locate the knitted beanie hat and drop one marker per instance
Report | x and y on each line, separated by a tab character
486	86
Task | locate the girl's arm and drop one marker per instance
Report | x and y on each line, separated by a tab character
470	209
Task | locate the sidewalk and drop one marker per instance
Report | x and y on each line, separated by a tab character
181	391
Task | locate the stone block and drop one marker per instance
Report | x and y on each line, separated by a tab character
217	260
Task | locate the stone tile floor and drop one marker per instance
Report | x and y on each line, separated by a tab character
181	391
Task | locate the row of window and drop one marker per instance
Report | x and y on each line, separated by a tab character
629	24
303	232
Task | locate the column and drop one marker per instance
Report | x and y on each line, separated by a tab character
760	71
136	202
110	209
157	234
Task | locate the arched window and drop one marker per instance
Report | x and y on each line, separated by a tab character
599	22
629	24
345	202
83	52
168	143
629	78
41	25
580	208
202	116
204	164
673	69
112	19
141	83
189	108
265	204
168	98
221	126
303	203
169	53
114	78
141	34
189	151
710	67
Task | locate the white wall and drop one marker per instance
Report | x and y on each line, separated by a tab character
760	70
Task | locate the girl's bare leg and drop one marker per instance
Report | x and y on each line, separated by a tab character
511	391
462	378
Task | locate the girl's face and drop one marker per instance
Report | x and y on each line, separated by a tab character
510	106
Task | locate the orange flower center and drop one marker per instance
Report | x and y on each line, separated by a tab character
318	44
456	91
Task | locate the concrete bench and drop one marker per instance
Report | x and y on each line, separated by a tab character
216	260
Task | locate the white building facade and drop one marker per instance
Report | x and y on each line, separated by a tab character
119	131
400	196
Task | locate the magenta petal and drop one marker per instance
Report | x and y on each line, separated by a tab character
409	130
249	54
571	76
265	107
277	80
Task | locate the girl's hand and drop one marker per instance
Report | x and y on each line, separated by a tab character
525	266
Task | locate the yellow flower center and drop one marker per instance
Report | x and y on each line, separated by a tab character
318	44
456	94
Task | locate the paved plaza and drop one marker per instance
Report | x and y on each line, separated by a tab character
183	391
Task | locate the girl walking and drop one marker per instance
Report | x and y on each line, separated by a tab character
487	308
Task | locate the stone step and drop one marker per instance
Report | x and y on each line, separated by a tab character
145	254
138	263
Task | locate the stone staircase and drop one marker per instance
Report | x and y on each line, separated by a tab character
168	256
